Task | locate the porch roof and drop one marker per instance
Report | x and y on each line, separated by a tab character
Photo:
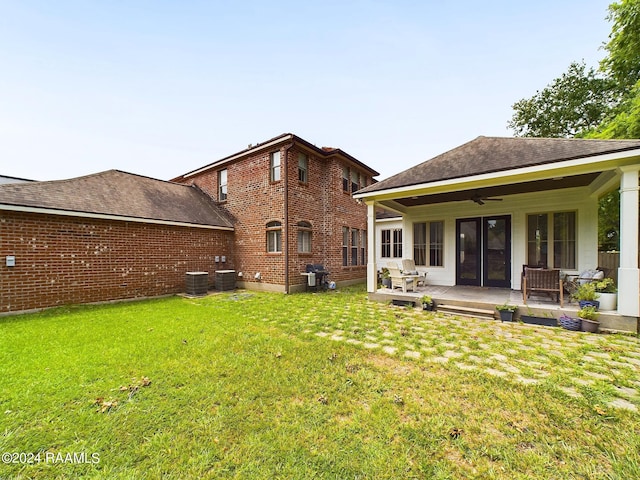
488	156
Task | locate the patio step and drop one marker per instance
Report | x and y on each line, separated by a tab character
466	311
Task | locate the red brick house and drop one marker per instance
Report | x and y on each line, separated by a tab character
107	236
291	206
265	212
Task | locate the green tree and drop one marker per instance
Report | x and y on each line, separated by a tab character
625	123
589	104
571	105
623	60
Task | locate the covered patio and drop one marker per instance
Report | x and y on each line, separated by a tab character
475	216
480	302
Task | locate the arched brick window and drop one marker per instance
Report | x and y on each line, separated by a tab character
304	237
274	237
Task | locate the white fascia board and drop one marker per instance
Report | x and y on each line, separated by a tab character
388	220
238	155
101	216
517	175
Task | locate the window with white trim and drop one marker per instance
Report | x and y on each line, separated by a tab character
274	237
552	239
428	244
345	179
303	168
345	246
222	185
391	243
355	245
274	168
304	237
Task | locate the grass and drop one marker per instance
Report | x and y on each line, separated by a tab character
263	385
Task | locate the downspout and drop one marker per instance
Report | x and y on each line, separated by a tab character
286	217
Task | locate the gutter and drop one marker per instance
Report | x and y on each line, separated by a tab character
286	217
103	216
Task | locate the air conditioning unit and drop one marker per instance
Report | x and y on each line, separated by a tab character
197	283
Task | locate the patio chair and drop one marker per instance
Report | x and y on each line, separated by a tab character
398	279
542	280
409	268
573	282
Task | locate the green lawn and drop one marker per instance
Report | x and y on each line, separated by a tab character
327	385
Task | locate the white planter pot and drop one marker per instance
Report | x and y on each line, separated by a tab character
608	301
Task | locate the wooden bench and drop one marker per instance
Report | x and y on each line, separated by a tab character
542	280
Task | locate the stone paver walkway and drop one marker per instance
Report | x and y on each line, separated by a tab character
574	362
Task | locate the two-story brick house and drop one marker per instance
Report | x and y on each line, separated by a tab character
291	205
265	212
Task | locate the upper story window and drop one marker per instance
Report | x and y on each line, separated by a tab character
274	167
354	181
274	237
303	168
222	185
345	179
363	180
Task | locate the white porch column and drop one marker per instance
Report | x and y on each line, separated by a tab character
372	269
628	273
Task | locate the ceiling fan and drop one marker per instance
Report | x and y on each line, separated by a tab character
479	199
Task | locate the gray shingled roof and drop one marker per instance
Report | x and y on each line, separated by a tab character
495	154
119	193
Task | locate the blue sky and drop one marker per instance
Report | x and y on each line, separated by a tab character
161	88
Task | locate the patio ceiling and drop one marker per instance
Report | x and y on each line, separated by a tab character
498	191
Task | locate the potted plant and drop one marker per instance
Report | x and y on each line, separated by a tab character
506	312
427	303
607	290
586	295
546	319
386	277
589	315
570	323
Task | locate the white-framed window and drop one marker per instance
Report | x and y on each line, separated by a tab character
274	168
552	239
397	243
345	246
363	180
355	245
355	177
304	237
345	179
428	243
303	168
363	248
274	237
391	243
222	185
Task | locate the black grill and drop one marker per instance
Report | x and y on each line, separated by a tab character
322	276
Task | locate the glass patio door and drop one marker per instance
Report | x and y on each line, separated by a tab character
468	242
483	251
496	239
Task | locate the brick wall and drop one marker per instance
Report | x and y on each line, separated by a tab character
66	260
253	201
